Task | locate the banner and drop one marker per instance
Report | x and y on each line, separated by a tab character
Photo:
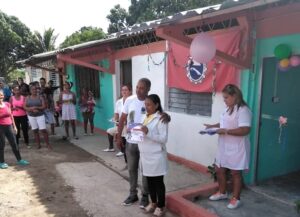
200	77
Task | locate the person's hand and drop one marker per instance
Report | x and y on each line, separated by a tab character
145	130
207	126
222	131
15	130
165	118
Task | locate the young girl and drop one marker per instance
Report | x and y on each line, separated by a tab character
153	154
8	129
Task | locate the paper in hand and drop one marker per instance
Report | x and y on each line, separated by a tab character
209	131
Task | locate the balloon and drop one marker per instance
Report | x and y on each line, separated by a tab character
282	51
295	61
283	69
203	48
284	63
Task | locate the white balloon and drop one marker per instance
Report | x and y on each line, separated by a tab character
203	48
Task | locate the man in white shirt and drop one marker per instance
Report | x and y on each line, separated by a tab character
132	112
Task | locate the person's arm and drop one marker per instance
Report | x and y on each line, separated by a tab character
165	118
26	108
11	104
11	117
240	131
244	124
161	136
116	117
217	125
74	98
121	125
60	98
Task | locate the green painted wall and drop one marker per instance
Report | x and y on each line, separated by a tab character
104	108
250	83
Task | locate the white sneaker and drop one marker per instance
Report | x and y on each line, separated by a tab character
234	203
119	154
218	196
109	150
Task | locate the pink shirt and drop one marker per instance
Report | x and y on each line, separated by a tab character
5	114
17	106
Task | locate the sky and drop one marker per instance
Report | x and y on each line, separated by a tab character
65	16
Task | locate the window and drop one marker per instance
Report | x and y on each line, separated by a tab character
54	77
87	78
182	101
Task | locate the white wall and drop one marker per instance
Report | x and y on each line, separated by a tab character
184	140
156	73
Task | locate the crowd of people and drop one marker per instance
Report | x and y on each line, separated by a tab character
140	133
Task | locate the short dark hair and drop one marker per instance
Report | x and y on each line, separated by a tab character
147	82
42	79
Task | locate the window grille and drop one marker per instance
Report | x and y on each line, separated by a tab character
186	102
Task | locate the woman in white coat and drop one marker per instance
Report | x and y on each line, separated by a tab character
153	154
233	146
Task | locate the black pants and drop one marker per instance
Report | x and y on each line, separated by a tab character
157	190
22	122
123	149
7	131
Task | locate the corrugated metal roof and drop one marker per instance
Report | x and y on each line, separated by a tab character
151	25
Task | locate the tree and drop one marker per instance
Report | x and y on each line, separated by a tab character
144	10
118	19
16	43
85	34
46	42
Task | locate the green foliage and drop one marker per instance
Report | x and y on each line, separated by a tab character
144	10
85	34
117	18
212	171
16	43
15	74
45	42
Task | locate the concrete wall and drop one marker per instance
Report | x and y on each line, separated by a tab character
184	139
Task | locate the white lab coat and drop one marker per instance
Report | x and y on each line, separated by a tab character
153	153
233	151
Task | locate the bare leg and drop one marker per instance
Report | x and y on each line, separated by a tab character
237	183
37	138
52	129
46	138
66	122
73	127
221	176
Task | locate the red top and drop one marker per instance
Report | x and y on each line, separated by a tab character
5	114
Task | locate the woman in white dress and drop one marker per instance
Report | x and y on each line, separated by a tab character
233	146
67	99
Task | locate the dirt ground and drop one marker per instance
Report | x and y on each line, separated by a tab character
38	190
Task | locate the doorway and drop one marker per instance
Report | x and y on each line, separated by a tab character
125	72
279	147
